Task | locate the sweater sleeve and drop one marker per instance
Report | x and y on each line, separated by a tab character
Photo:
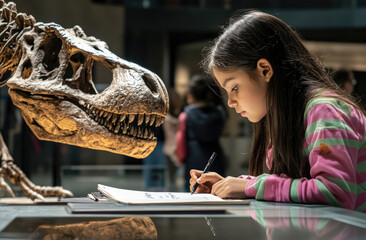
181	138
332	146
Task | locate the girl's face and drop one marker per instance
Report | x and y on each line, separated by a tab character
245	94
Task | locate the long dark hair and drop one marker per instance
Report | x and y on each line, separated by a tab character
297	76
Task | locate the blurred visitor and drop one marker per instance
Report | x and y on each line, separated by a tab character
345	79
170	127
200	127
155	164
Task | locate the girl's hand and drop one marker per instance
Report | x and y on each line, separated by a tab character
230	187
205	181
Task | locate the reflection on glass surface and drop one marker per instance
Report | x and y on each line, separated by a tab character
275	223
121	228
302	224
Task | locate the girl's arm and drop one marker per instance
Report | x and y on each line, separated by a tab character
334	136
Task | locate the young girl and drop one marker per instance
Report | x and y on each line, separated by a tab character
309	143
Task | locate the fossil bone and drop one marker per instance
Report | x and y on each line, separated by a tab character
48	70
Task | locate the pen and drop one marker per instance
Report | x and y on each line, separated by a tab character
210	161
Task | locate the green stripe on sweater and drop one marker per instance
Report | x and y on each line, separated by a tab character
349	186
326	124
361	208
293	192
363	143
332	142
361	167
334	102
259	186
327	194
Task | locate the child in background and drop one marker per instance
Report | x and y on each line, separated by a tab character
200	127
309	137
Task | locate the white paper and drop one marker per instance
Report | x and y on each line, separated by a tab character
142	197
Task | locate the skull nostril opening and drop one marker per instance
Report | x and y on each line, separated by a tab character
29	40
69	72
149	82
78	58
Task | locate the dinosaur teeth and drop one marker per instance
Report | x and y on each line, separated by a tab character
146	133
124	131
109	115
159	121
116	130
122	117
151	135
147	119
135	131
134	125
140	119
131	118
110	127
131	130
114	119
152	119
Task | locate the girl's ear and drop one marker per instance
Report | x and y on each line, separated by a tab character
264	69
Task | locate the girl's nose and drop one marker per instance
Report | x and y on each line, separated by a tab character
231	103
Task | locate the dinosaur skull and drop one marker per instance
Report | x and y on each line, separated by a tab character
53	86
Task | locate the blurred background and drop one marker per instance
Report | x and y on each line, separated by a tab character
167	37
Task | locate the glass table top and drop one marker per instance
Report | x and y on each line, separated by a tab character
260	220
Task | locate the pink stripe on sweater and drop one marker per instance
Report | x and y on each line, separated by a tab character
250	191
324	111
339	160
274	190
308	192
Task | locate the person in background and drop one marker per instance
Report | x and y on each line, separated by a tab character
345	79
155	164
309	136
170	127
200	127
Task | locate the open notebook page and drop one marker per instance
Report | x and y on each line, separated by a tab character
142	197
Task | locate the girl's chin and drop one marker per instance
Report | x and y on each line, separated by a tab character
253	119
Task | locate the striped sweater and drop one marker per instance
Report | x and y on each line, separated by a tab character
335	144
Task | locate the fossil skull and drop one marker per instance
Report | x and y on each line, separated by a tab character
51	81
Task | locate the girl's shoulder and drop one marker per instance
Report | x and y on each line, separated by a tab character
332	108
328	100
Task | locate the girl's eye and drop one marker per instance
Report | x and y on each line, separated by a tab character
234	89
